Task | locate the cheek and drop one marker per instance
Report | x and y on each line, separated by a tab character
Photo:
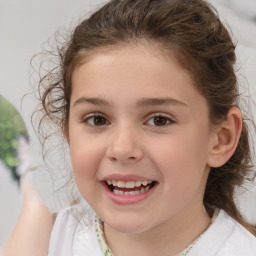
181	158
85	157
84	162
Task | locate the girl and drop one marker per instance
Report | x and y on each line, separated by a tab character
147	99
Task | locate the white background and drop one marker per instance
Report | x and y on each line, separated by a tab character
25	25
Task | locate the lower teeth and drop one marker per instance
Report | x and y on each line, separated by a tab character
131	193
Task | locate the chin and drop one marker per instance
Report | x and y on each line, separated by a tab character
128	225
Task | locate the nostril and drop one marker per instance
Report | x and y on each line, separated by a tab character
124	152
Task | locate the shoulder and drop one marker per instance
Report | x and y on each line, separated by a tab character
225	237
62	233
239	242
73	233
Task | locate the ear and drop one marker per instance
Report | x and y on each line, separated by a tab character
225	138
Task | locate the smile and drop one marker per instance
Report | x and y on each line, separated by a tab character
129	188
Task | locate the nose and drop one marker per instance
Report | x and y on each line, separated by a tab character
124	146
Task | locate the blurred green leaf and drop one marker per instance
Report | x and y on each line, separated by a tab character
12	127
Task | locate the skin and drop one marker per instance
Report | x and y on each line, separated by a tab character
32	231
177	155
128	142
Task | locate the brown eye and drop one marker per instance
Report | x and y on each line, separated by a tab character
99	120
160	120
96	120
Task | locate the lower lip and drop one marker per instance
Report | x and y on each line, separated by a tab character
131	199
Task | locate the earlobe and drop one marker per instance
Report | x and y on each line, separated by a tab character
225	138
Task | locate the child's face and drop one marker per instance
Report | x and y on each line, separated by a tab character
136	116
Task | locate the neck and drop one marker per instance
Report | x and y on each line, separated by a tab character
168	238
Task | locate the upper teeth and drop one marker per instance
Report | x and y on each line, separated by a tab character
127	184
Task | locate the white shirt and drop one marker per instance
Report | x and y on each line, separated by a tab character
225	237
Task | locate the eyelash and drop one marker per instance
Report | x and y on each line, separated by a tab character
168	121
93	118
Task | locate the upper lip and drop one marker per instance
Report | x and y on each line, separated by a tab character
129	177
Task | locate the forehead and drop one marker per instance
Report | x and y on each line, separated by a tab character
133	51
138	71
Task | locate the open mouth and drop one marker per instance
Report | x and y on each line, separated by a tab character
129	188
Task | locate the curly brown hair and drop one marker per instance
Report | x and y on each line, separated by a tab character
193	32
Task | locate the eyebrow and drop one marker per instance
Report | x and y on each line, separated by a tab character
144	102
159	101
92	101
